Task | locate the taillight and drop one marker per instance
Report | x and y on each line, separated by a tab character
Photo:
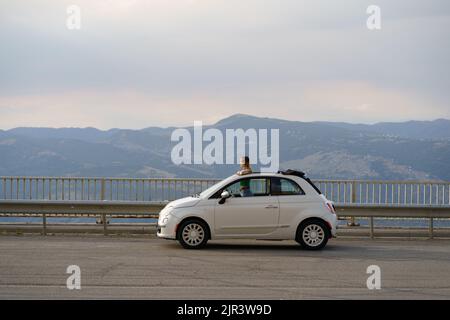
330	208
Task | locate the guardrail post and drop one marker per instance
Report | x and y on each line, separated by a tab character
430	229
371	228
352	222
44	224
105	231
102	197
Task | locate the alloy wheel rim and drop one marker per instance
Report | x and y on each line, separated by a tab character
193	234
313	235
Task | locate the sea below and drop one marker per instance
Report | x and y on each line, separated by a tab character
378	222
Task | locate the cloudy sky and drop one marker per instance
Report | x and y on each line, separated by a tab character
140	63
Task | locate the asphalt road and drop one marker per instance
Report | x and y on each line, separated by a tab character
34	267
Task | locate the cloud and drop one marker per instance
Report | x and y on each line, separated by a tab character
340	101
136	63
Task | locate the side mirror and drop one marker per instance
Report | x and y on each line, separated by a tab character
223	196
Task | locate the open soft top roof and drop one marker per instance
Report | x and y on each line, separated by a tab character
302	175
291	172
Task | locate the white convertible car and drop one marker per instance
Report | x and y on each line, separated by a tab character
272	206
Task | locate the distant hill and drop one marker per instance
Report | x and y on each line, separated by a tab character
430	130
408	150
86	134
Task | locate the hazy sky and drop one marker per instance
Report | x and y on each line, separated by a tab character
145	63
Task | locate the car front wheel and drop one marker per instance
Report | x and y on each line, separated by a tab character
312	234
193	234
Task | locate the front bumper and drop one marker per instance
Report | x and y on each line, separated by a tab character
167	228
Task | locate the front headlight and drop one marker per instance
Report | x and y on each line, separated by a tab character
165	212
163	215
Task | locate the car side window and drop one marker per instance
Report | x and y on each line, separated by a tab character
285	187
249	187
259	187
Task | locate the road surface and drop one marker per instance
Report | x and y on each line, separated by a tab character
34	267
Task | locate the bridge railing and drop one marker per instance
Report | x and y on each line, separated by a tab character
87	189
108	198
163	189
386	192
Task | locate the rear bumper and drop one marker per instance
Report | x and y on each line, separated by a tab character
333	224
334	232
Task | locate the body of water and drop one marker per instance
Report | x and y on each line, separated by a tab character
380	222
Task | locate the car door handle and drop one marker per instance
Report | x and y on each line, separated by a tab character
271	206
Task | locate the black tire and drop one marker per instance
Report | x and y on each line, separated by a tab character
312	234
196	240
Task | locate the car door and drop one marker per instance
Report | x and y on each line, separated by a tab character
247	214
291	198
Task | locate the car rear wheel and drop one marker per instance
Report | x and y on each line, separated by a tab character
312	234
193	234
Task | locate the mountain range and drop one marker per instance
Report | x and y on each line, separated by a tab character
413	150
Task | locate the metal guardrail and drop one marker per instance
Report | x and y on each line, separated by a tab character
105	210
106	198
371	211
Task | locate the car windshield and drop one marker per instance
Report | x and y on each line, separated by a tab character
204	193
